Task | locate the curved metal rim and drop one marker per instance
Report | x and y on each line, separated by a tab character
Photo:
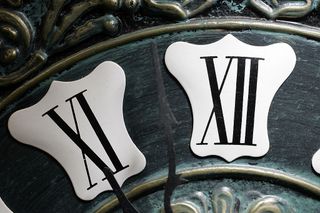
217	23
240	172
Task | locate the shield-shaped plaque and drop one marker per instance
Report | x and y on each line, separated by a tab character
75	122
230	86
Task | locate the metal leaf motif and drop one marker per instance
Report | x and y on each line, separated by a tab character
287	9
270	204
197	202
225	200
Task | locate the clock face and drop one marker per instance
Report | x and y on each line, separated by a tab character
211	114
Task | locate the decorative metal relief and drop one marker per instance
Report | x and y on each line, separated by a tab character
59	32
16	37
230	85
226	200
81	125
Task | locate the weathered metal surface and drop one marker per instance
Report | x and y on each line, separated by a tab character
281	181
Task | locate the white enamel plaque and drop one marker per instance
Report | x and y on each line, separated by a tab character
230	85
83	118
316	161
3	207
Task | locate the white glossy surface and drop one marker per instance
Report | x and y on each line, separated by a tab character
183	61
316	161
4	208
105	91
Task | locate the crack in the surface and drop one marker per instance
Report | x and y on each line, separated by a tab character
167	119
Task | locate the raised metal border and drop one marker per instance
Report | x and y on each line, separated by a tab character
225	23
225	171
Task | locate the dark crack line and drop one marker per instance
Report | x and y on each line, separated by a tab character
167	120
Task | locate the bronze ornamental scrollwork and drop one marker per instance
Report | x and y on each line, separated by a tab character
55	37
224	200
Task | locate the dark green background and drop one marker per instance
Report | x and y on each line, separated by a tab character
32	181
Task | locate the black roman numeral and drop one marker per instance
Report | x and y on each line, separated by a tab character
76	138
238	108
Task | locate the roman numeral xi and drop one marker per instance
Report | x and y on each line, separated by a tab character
76	138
